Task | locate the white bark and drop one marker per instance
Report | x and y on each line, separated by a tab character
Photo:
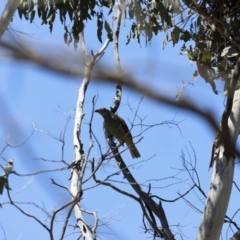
7	15
115	37
80	161
118	96
221	182
76	185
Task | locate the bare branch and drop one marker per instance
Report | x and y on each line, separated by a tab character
156	208
7	15
29	215
118	94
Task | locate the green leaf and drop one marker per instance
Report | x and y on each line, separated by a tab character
106	3
129	37
195	2
214	88
32	15
108	29
229	52
206	57
2	184
39	12
174	40
199	20
30	5
89	16
131	10
175	35
110	10
70	14
92	4
51	11
26	15
148	32
62	17
76	40
186	36
44	14
51	21
133	30
20	12
65	37
99	28
41	3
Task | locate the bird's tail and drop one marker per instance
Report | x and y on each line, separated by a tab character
132	148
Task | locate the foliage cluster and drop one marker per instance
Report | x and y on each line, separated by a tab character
208	30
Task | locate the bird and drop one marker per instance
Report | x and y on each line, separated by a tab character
9	167
118	128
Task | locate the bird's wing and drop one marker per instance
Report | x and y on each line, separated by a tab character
124	127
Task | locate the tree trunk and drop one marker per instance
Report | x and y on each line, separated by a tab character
222	178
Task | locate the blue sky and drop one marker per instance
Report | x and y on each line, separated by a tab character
29	93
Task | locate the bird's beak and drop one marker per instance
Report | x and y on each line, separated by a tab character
97	111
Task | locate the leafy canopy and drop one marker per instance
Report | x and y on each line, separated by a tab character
207	30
